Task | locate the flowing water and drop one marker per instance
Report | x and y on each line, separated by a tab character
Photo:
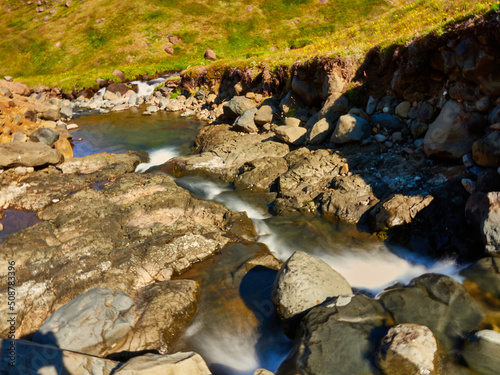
236	329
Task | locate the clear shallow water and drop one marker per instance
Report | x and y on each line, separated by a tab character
236	329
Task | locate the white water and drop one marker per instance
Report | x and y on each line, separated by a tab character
158	157
372	269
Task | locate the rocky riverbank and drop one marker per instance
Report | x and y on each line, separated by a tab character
404	146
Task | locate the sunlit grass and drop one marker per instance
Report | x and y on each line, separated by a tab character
72	48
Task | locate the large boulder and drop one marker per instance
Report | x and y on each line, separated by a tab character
306	90
16	88
449	136
486	274
409	349
320	132
265	114
93	163
483	209
118	88
339	337
261	175
350	128
438	302
398	209
293	135
486	151
188	363
245	123
27	154
335	106
332	84
237	106
45	135
92	323
302	283
481	352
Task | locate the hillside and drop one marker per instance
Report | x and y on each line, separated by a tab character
73	42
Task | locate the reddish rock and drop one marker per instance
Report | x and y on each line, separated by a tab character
210	55
119	74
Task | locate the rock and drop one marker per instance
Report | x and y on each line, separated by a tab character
482	104
164	310
262	371
335	106
92	323
52	114
116	88
360	113
469	185
438	302
302	283
188	363
68	3
168	48
387	121
32	358
174	39
494	115
306	90
19	137
133	99
486	274
332	84
67	112
418	129
397	137
27	154
292	121
6	92
424	112
484	211
120	107
63	146
448	136
111	96
210	55
486	151
16	88
245	123
291	103
408	349
265	114
348	200
261	175
340	335
380	138
398	209
402	109
371	105
320	132
173	105
151	109
481	352
44	135
291	134
119	74
8	78
237	106
98	162
350	128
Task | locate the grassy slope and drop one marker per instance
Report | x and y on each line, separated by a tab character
133	33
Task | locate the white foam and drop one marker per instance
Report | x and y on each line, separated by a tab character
158	157
147	88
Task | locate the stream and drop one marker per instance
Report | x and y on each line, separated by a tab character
236	329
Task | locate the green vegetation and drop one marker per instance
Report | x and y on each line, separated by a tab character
91	38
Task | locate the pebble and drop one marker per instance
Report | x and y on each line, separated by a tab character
408	150
469	185
386	109
468	161
21	171
55	200
8	78
388	144
476	170
380	138
397	136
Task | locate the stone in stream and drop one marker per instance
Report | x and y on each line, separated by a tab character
481	352
341	335
188	363
261	175
27	154
486	274
409	349
67	112
92	323
44	135
302	283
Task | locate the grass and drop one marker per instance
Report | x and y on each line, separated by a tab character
72	48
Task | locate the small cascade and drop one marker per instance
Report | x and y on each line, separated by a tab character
158	157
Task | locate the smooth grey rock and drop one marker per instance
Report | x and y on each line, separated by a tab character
332	84
424	112
387	121
335	106
188	363
360	113
120	107
33	359
438	302
27	154
380	138
402	109
486	151
132	100
408	349
67	112
481	352
173	105
245	123
292	121
261	174
291	103
371	105
109	95
350	128
151	109
44	135
320	132
418	129
302	283
51	114
291	134
265	114
237	106
19	137
92	323
6	92
8	78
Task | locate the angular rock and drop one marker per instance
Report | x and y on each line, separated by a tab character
118	88
188	363
371	105
438	302
67	112
481	352
210	55
44	135
32	358
260	175
448	136
350	128
409	349
291	103
335	106
320	132
398	209
339	335
486	151
245	123
119	74
291	134
302	283
292	121
237	106
486	274
27	154
51	114
306	90
265	114
387	121
402	109
92	323
110	95
97	162
424	112
332	84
